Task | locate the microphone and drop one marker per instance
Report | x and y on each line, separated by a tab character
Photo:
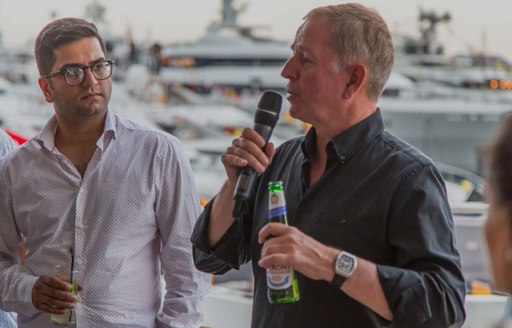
265	120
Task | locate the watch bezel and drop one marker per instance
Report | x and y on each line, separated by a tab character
345	264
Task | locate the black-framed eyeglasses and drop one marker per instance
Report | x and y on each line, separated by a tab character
75	74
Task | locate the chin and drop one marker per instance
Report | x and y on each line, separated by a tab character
294	112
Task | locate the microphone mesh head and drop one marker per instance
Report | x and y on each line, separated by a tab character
269	108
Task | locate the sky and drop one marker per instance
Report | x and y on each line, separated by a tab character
475	25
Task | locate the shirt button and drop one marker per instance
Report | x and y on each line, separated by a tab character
342	158
302	208
80	262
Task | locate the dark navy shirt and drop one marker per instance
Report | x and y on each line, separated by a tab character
380	199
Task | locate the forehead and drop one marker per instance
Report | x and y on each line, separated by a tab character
313	33
83	51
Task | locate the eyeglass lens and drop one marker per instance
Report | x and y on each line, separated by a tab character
76	74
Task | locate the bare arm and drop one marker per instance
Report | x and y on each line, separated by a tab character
221	216
244	151
364	286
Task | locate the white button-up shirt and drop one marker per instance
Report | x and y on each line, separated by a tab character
130	216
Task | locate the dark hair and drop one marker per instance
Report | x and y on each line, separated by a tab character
500	164
59	32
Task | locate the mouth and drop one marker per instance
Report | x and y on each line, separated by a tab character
291	92
91	95
291	96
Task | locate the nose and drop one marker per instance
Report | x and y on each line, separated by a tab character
89	78
289	70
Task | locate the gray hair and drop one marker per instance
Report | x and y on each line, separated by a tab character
359	34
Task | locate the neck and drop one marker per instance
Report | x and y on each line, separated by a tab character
79	132
344	120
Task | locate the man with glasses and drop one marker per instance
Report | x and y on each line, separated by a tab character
98	193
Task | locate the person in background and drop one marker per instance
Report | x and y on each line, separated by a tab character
116	199
6	143
498	227
156	58
7	319
371	233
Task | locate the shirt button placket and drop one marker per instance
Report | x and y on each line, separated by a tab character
80	232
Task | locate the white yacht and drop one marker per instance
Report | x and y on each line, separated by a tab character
423	59
227	55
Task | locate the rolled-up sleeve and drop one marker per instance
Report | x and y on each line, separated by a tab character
425	286
230	252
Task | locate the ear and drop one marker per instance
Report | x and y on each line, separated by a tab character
46	89
357	78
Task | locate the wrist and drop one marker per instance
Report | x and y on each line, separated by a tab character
345	264
330	258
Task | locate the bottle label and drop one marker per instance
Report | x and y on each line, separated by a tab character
276	206
277	212
279	277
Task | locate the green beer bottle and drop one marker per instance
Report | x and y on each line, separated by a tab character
282	282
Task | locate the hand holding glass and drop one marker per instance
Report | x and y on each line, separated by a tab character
63	272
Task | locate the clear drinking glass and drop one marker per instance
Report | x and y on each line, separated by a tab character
69	316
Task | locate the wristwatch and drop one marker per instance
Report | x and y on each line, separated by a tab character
344	265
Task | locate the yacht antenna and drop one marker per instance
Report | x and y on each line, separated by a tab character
428	23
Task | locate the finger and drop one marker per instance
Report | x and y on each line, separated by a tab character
60	282
270	151
52	305
46	285
56	298
272	229
253	143
50	309
47	288
51	296
232	160
58	303
248	151
274	259
272	247
255	137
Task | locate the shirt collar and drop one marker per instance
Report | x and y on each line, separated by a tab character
47	136
350	141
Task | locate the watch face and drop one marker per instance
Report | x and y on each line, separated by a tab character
345	264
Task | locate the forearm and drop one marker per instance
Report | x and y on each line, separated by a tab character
221	217
363	285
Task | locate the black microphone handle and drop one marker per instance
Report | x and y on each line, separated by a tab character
247	178
265	119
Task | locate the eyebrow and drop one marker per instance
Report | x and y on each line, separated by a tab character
80	65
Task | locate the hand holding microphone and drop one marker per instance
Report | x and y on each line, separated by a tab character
265	119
